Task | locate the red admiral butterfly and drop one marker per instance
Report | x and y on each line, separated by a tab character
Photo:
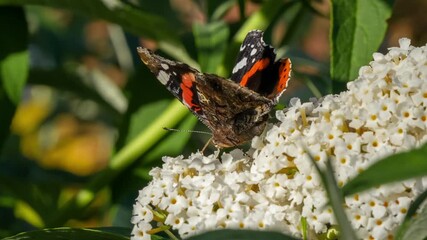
234	110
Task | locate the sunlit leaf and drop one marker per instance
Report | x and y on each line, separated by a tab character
14	72
357	30
211	41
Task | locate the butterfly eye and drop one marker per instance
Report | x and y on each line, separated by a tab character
216	86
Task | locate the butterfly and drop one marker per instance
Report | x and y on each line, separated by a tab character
234	109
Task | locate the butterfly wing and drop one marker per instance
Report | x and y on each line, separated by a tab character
179	79
257	70
233	113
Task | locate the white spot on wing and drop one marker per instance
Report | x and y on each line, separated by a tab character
254	50
242	47
163	77
164	66
240	65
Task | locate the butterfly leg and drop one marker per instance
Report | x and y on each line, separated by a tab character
206	145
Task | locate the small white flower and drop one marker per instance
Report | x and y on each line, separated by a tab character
173	203
358	219
139	231
176	221
190	226
274	188
141	213
404	43
400	207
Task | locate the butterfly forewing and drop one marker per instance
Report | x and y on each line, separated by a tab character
179	78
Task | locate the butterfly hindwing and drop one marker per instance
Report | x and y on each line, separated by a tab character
256	68
283	69
254	57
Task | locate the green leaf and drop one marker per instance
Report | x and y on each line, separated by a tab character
241	235
14	72
358	28
69	233
211	41
415	205
416	230
412	211
13	64
336	200
13	51
397	167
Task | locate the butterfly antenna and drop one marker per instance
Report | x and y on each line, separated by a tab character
186	131
192	131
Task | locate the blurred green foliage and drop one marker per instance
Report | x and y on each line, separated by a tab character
100	84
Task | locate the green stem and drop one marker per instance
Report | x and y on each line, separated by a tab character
171	235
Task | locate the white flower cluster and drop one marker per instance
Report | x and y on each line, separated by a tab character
383	112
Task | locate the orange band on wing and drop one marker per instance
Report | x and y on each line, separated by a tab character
187	91
284	75
260	65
